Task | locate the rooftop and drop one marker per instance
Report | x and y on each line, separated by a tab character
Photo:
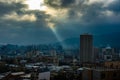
17	73
98	69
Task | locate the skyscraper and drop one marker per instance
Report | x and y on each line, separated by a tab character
86	48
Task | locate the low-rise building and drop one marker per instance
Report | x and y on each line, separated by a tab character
100	73
112	64
106	74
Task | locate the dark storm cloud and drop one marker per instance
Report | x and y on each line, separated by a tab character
6	8
81	17
18	8
92	18
77	9
115	6
85	17
67	2
60	3
23	31
89	11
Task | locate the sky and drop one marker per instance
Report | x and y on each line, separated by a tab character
47	21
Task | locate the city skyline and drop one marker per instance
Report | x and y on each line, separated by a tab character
47	21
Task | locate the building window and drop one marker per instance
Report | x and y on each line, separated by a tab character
111	66
42	79
103	76
114	74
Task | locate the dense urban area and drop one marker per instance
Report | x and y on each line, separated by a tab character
53	62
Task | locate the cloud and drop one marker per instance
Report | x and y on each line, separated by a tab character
105	2
15	13
25	17
69	17
67	10
59	3
115	6
7	6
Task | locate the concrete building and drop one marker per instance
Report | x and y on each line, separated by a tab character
44	76
13	76
100	73
0	58
106	74
97	55
108	53
86	48
40	74
55	57
112	64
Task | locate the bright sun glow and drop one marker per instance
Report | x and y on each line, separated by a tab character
39	5
36	5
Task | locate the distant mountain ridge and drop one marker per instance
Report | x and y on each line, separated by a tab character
99	40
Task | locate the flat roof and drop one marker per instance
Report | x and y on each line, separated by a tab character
17	73
99	69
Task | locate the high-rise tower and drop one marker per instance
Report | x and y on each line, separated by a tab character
86	48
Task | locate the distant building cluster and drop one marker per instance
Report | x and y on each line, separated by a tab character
55	63
91	54
101	63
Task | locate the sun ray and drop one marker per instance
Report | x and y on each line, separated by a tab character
40	5
52	27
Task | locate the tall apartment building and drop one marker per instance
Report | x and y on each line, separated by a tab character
86	48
